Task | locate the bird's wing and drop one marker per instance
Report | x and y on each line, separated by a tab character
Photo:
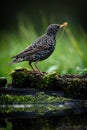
37	46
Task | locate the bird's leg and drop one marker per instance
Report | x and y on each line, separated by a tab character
31	66
36	66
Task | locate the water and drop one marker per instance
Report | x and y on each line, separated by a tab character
68	116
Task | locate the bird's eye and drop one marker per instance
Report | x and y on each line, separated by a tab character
51	29
57	27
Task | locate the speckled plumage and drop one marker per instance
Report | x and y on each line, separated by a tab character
41	49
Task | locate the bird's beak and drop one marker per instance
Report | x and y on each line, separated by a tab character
63	25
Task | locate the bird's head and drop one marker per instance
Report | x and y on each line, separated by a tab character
53	28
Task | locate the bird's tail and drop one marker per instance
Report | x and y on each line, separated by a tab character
16	60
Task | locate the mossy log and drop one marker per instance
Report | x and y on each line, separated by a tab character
74	86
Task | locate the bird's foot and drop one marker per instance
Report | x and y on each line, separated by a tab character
39	73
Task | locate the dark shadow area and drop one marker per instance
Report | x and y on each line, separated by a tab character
67	119
10	12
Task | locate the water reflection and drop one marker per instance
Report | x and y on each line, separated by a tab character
59	119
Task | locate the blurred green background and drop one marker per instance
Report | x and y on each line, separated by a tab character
22	22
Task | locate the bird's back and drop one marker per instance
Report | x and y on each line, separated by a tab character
39	50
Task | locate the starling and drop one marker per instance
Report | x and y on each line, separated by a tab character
42	48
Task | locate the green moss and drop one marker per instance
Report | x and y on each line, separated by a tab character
49	80
73	85
20	77
23	78
41	97
76	87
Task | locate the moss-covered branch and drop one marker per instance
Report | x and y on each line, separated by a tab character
73	85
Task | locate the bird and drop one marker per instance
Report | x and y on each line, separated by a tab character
41	49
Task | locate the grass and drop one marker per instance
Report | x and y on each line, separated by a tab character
69	56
